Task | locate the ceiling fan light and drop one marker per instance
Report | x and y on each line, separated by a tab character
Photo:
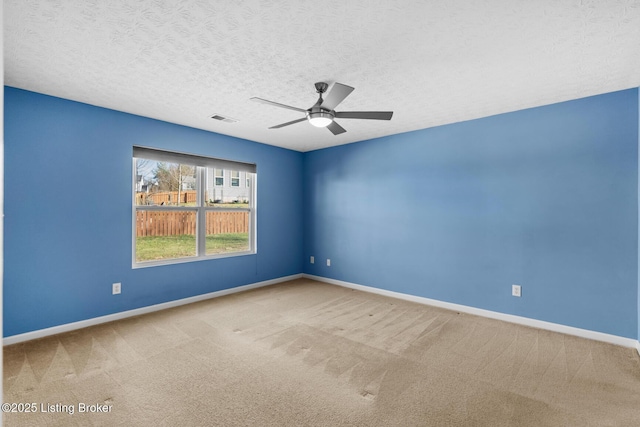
320	122
320	119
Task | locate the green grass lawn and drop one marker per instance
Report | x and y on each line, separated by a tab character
229	205
165	247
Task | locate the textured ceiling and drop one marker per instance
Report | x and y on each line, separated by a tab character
431	62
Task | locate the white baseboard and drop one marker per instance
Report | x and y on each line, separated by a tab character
555	327
14	339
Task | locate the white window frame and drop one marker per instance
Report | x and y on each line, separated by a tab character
200	209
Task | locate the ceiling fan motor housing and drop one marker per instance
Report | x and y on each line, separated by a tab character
320	117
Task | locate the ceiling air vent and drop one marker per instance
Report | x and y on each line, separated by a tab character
223	118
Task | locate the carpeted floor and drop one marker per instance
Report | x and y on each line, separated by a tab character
308	353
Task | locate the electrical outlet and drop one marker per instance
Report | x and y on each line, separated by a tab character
312	260
328	262
516	290
116	288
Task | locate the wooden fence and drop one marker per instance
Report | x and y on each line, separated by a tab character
227	222
166	198
167	223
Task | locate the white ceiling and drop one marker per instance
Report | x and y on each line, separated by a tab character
431	62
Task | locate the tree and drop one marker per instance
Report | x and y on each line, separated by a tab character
145	167
174	177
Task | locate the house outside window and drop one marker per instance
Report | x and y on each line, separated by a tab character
183	215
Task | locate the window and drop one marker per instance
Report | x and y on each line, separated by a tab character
235	178
219	174
182	213
248	178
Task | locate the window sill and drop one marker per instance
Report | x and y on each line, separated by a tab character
145	264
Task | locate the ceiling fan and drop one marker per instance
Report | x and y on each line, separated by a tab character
322	113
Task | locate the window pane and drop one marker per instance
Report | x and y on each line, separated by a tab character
219	176
165	234
227	232
227	195
165	184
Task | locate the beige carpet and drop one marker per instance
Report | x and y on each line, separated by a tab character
307	353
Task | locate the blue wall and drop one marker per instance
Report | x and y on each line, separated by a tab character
546	198
68	208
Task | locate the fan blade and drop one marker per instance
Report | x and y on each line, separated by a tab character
336	129
337	94
288	123
372	115
277	104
